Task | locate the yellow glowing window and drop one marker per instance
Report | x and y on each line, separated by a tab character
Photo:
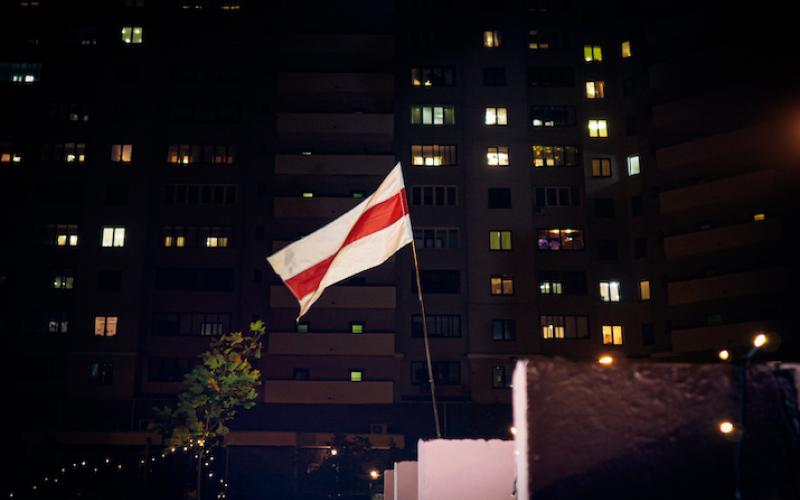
601	167
497	156
644	289
499	240
551	288
132	34
433	155
496	116
598	128
121	153
596	90
308	195
626	49
612	334
491	39
216	241
501	285
759	217
230	6
105	326
113	237
356	375
74	152
63	282
592	53
536	41
356	327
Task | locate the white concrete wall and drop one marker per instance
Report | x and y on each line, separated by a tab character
388	484
468	469
405	481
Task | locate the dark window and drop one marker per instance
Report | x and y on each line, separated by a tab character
568	282
640	248
439	238
637	207
187	324
648	334
499	198
631	126
607	249
494	77
109	280
438	282
101	373
551	77
194	279
301	374
501	376
557	196
604	207
163	369
628	87
439	325
116	195
439	196
444	372
504	329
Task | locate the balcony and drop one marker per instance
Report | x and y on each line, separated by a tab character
714	148
330	129
333	344
312	208
732	189
720	239
378	165
328	392
713	338
371	47
336	83
727	286
340	297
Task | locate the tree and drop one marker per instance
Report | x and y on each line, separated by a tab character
223	383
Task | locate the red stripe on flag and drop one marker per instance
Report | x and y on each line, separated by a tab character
374	219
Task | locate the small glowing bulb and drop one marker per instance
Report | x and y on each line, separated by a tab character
108	460
374	474
513	430
605	360
724	355
760	340
726	427
334	451
83	463
210	474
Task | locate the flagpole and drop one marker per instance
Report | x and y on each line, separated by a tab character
427	343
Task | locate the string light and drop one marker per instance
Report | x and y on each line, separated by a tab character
724	355
759	340
374	474
726	427
334	451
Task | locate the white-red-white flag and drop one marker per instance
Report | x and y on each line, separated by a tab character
362	238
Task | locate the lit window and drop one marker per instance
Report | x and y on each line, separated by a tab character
596	90
633	165
551	287
554	156
105	326
491	39
63	281
560	239
308	195
432	155
303	327
57	323
113	237
644	289
433	115
24	73
215	236
592	53
501	376
501	285
121	153
626	49
74	152
132	34
496	116
537	41
426	76
609	291
601	167
564	327
759	217
497	156
499	240
62	235
357	327
612	334
174	236
357	194
598	128
230	6
356	375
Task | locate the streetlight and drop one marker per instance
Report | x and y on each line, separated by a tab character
605	360
759	340
724	355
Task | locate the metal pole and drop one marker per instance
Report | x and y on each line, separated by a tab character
427	343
